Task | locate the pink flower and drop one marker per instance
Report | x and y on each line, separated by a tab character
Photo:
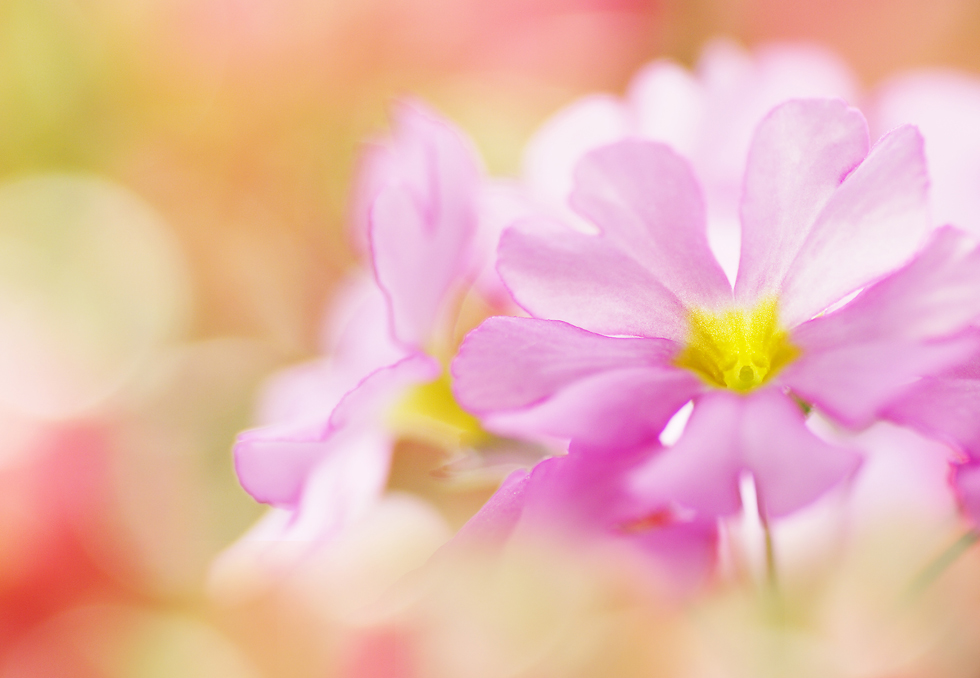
586	499
632	322
707	116
322	458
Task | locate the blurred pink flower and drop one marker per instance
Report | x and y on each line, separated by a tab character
323	458
633	322
424	214
708	116
587	497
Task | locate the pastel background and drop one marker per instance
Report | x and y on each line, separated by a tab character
174	184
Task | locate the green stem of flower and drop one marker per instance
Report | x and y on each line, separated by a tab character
937	567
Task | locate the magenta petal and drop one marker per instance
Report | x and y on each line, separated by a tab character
966	481
585	497
560	274
423	223
799	156
763	434
647	202
526	376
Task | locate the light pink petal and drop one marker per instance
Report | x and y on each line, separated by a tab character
853	382
359	342
274	462
560	274
356	330
667	104
502	203
946	409
532	377
509	363
792	467
728	435
553	152
740	88
494	523
647	203
859	358
935	295
616	409
273	468
874	223
370	402
701	471
800	154
423	224
346	482
945	106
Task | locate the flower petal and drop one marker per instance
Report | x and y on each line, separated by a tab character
423	223
763	434
646	201
858	359
274	462
853	382
494	523
551	154
944	408
874	223
509	363
556	273
945	106
617	409
935	295
534	377
800	154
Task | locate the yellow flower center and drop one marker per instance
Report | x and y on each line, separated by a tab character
430	411
739	349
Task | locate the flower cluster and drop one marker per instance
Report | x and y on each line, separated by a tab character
706	289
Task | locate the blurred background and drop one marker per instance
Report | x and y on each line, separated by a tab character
174	183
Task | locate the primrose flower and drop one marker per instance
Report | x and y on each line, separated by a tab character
636	318
322	459
708	116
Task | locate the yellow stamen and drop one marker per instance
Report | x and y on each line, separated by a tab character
738	349
431	412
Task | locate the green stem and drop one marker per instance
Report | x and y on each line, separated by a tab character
937	567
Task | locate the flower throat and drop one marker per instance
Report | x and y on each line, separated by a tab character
738	349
